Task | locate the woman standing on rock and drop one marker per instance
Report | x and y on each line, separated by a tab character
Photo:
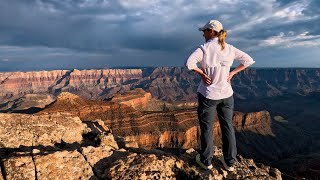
215	57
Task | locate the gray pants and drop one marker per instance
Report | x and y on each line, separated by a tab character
206	112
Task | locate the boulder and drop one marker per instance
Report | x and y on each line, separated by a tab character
63	165
20	166
22	130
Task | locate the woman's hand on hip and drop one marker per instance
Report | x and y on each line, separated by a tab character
231	74
206	79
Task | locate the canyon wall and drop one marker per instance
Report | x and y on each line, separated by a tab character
178	129
166	83
87	83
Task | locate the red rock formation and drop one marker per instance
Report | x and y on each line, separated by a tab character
32	81
106	78
17	84
3	76
153	129
88	83
137	98
180	129
165	83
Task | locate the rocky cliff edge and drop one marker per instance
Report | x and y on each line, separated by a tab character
60	146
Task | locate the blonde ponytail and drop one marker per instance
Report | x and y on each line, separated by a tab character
222	35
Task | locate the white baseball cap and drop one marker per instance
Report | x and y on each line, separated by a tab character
212	24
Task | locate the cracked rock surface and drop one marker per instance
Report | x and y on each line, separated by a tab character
63	165
21	130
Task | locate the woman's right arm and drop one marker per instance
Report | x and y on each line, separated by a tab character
191	64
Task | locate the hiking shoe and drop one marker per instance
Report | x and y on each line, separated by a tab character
201	163
228	168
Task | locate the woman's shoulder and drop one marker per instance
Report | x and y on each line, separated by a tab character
209	44
215	45
229	46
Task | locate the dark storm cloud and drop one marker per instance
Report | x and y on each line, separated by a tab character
127	29
53	24
100	25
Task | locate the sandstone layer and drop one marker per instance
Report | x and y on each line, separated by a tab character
138	98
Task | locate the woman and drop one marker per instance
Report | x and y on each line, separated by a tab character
215	92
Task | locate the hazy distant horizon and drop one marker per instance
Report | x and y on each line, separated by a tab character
143	67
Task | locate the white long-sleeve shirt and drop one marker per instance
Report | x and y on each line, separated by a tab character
216	64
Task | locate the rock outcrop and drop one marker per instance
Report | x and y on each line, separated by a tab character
71	159
29	103
138	98
19	130
62	165
20	166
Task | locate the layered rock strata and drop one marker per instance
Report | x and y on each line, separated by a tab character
171	84
255	131
87	83
138	98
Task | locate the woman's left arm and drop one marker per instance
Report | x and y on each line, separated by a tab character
235	71
245	61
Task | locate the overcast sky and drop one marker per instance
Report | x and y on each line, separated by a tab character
84	34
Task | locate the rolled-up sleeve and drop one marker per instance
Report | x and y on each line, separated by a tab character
243	57
194	58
